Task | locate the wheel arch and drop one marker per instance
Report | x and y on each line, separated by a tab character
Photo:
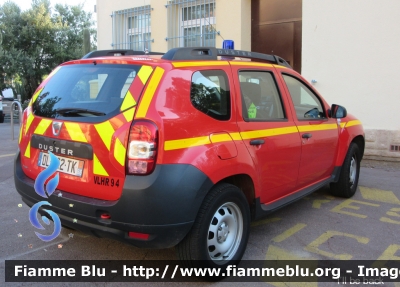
360	141
245	183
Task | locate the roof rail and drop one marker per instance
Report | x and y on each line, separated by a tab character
211	53
108	53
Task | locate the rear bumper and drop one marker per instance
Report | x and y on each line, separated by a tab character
163	205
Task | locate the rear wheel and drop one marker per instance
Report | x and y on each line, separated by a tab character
1	117
219	235
348	180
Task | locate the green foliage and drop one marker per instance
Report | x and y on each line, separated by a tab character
35	41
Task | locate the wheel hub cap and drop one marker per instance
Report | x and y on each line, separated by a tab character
223	231
353	171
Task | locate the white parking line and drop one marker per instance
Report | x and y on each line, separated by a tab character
5	155
12	257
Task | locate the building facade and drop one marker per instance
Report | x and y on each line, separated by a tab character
347	48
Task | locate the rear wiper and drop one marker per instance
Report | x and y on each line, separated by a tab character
78	111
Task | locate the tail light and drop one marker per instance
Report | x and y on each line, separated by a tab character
142	148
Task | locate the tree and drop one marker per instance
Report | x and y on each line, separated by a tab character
34	42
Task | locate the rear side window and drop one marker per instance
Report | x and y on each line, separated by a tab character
260	97
210	94
85	92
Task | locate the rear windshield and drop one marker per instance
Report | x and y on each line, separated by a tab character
89	93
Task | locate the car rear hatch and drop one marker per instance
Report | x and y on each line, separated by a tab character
83	113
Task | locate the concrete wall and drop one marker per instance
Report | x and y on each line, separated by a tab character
233	21
351	47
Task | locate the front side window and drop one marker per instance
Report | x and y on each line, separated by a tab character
210	94
306	104
260	97
85	92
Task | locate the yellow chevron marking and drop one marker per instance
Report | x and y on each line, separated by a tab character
20	133
144	73
129	114
149	93
106	131
75	132
268	132
199	64
250	64
29	122
129	101
34	97
185	143
98	167
42	126
119	152
28	150
310	128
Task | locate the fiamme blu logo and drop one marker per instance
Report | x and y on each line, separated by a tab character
46	192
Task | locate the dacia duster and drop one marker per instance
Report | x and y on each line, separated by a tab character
185	148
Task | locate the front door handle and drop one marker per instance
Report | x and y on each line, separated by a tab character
257	142
306	136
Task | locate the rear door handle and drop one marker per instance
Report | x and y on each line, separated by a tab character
306	136
257	142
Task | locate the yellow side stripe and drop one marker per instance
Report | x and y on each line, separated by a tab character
75	132
311	128
198	141
220	138
268	132
185	143
149	93
353	123
42	126
199	64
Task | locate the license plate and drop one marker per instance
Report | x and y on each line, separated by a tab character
67	165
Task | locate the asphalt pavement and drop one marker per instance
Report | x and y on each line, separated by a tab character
321	227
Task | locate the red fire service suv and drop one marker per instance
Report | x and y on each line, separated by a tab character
183	148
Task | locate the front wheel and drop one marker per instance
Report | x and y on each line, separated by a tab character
220	232
348	179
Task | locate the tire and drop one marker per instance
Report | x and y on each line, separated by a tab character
348	179
1	117
220	232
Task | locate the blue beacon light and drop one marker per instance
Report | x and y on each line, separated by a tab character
228	45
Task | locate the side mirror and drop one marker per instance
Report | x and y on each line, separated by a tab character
338	112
